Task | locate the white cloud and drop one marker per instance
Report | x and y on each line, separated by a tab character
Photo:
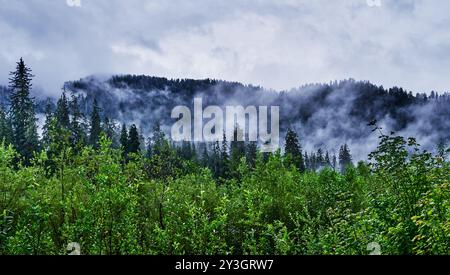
73	3
277	44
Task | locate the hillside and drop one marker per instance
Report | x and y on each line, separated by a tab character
325	115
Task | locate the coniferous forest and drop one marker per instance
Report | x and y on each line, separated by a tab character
115	188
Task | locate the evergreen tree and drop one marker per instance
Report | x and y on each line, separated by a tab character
62	112
46	137
293	150
110	131
23	119
215	160
133	140
237	151
157	141
345	158
142	144
334	163
313	161
124	141
224	158
94	135
78	136
327	159
307	162
320	160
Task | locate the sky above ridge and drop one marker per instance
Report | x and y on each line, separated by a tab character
278	44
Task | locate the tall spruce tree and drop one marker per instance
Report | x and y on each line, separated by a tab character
293	150
327	159
133	140
224	158
78	136
237	151
345	158
157	142
62	112
46	137
124	141
110	131
95	131
23	119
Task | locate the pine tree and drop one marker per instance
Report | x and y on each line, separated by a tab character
133	140
46	137
327	159
215	160
95	131
110	131
62	112
237	151
78	136
320	160
293	150
224	158
157	141
124	141
23	119
345	158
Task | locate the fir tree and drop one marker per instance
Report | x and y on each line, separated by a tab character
23	119
224	158
327	159
78	136
110	131
46	137
215	160
124	141
157	141
62	112
237	151
293	150
320	160
133	140
345	158
94	135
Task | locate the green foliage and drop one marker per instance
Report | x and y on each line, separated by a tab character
165	204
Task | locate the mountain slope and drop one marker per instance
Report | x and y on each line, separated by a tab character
325	115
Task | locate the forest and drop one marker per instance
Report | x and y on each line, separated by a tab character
116	192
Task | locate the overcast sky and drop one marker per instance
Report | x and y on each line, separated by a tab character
278	44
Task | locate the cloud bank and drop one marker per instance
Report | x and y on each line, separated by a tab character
275	43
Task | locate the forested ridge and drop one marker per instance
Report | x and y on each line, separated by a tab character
125	190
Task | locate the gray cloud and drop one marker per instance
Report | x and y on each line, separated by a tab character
277	44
